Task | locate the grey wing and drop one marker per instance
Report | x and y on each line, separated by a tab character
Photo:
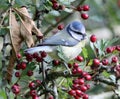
61	38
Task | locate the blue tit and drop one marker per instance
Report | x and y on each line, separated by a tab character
71	40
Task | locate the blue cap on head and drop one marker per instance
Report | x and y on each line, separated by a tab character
77	25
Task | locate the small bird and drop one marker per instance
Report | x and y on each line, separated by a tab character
71	40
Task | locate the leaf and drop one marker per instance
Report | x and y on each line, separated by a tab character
27	26
106	74
85	52
4	30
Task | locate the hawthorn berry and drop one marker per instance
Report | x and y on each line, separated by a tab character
53	1
60	26
78	92
109	49
85	96
23	65
105	61
75	81
84	16
96	62
55	6
35	97
75	65
114	59
56	62
17	74
29	72
81	81
93	38
18	56
83	88
69	65
74	71
33	93
79	70
39	59
85	7
75	86
40	37
35	55
15	89
72	92
79	58
18	66
88	77
118	47
43	54
29	57
50	97
32	85
38	82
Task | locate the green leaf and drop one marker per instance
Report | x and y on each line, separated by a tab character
106	74
113	78
4	30
85	52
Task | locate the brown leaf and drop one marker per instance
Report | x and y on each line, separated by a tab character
19	33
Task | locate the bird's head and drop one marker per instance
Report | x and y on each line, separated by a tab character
77	30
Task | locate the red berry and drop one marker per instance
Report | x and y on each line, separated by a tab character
114	59
29	57
109	49
74	71
55	6
15	89
75	86
79	8
18	66
79	70
17	74
83	88
85	96
56	62
88	86
35	97
84	16
39	59
69	65
88	77
32	85
79	58
38	82
43	54
29	73
117	68
76	97
23	65
75	65
93	38
33	93
75	81
50	97
96	62
118	47
72	92
86	7
81	81
105	61
18	55
61	7
79	93
35	55
60	26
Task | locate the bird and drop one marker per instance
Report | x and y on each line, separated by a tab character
70	40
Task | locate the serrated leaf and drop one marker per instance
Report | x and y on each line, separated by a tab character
85	52
113	78
106	74
4	30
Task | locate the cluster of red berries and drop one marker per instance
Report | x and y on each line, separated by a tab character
36	56
79	86
33	86
57	6
82	9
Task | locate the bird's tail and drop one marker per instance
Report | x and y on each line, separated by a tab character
38	49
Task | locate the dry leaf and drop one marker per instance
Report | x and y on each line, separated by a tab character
20	33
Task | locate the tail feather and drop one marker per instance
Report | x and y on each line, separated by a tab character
38	49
